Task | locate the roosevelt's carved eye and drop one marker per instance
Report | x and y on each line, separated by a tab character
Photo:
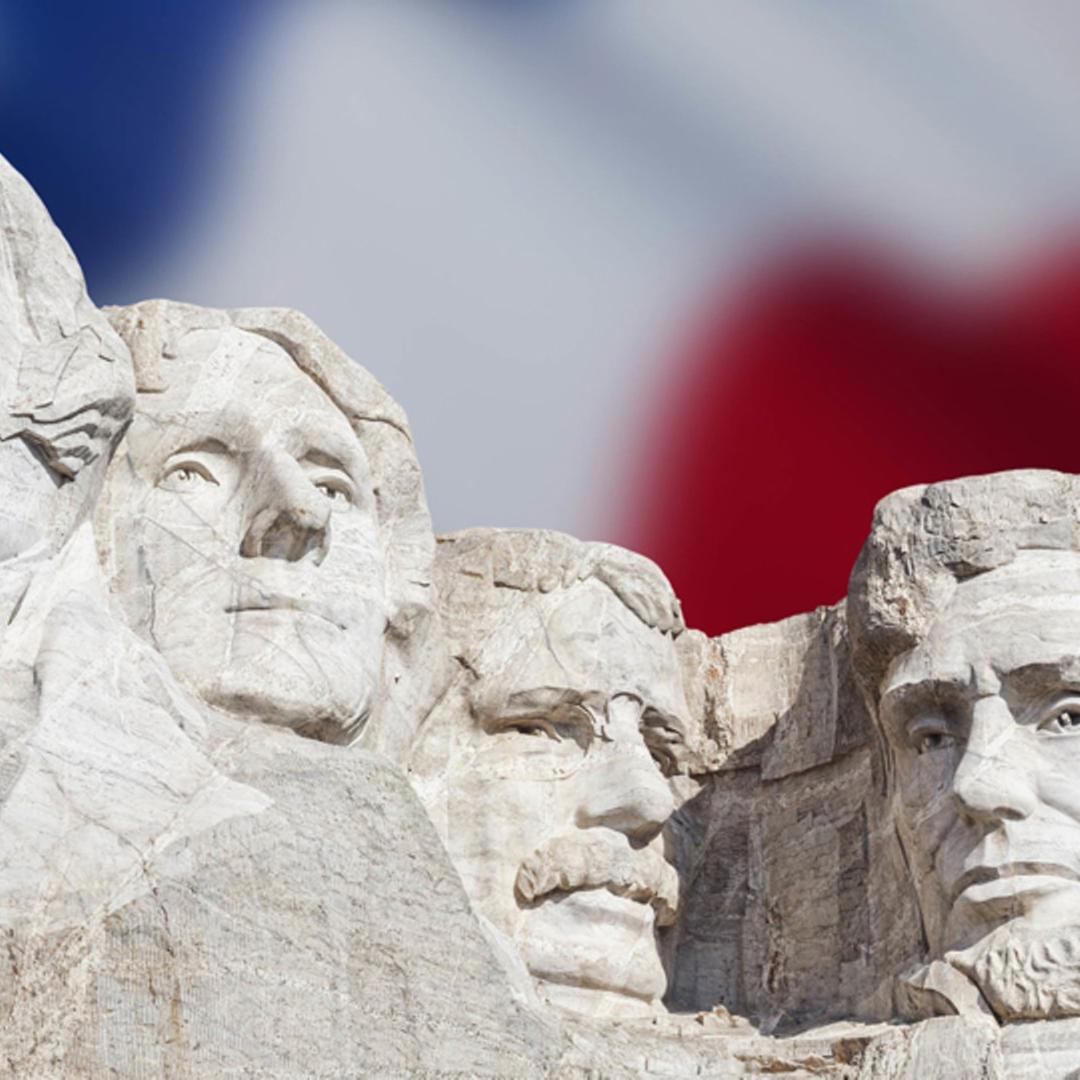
1063	719
561	724
532	727
663	740
185	476
929	741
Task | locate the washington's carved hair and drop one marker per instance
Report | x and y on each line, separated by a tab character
70	394
926	540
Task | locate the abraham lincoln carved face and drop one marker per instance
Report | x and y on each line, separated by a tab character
970	620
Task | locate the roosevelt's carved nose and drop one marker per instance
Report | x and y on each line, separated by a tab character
626	792
288	517
992	783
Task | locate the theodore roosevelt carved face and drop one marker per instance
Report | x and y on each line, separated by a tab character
982	716
546	775
252	552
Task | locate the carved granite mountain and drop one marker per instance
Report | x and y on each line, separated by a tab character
290	789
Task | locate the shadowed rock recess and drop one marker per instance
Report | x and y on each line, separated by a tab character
290	787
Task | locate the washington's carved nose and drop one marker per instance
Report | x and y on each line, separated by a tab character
290	519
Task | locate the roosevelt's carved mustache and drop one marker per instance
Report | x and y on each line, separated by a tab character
601	859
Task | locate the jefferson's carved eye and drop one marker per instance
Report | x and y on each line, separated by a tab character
337	491
1064	719
186	476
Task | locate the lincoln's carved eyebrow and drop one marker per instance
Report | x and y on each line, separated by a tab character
909	697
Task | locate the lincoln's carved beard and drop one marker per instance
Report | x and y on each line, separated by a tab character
1026	972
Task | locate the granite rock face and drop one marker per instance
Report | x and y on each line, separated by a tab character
796	906
546	765
290	788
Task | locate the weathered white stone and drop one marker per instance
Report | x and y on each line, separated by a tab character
264	523
544	763
217	654
965	609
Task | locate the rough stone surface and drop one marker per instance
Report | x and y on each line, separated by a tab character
546	763
287	789
793	806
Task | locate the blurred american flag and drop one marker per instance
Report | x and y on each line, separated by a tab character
589	246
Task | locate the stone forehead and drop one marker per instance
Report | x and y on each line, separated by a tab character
926	540
228	366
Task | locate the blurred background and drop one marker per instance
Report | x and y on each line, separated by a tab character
699	277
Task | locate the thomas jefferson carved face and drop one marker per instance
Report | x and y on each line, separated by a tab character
984	720
552	794
252	554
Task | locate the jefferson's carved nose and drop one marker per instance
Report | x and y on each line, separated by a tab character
289	518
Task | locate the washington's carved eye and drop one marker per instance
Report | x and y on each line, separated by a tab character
1063	720
337	491
186	476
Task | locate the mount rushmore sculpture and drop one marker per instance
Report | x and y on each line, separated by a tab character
291	787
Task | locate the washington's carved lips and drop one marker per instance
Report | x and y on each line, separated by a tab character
601	859
985	884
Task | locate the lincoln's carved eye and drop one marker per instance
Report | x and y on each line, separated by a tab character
930	734
1063	720
186	476
928	741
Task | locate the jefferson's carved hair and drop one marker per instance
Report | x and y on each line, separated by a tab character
927	539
